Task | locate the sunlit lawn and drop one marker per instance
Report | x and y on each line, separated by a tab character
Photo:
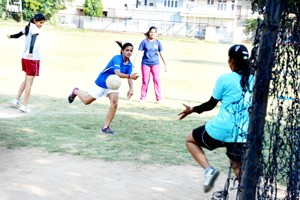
146	133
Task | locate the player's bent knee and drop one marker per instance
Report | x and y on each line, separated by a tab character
114	104
88	101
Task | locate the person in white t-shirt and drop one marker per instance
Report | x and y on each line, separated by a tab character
229	128
30	59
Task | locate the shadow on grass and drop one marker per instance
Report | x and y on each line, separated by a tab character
146	133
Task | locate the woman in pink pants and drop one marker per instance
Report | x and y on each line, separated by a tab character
152	49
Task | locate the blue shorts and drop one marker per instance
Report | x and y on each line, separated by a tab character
234	151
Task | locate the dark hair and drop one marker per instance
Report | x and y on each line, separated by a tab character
127	44
150	29
37	17
239	54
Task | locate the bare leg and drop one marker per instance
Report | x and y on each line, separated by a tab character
84	97
28	84
21	89
236	166
114	98
198	154
196	151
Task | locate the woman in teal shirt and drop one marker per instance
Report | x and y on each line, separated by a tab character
229	128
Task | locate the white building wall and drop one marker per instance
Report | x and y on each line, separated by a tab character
188	18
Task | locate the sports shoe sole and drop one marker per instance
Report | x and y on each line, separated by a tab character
210	185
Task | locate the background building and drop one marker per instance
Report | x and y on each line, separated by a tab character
213	20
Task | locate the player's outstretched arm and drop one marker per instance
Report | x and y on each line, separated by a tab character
15	35
188	110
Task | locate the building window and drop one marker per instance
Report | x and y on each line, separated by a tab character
232	4
222	5
210	2
170	3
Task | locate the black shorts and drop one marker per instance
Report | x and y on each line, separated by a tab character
234	150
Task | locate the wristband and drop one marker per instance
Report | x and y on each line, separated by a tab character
129	76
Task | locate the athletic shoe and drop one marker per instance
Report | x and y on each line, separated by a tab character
72	96
108	131
209	179
16	103
25	109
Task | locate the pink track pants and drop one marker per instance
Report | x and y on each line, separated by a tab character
155	71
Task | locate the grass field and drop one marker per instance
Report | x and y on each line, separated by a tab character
146	133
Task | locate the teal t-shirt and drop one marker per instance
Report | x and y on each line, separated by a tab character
231	123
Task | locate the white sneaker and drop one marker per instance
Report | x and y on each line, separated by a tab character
25	109
16	103
209	179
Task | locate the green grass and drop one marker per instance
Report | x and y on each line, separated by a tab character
146	133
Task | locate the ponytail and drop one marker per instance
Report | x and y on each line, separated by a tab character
239	54
124	45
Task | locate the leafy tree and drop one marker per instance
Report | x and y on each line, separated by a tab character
250	26
47	7
93	8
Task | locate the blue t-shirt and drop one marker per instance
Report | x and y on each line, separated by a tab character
151	50
231	123
116	63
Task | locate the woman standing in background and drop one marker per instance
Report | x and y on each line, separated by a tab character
30	59
152	49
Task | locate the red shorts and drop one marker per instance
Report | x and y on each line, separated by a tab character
31	67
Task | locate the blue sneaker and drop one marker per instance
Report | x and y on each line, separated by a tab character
107	130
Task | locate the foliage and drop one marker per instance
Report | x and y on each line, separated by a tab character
251	25
47	7
291	6
93	8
